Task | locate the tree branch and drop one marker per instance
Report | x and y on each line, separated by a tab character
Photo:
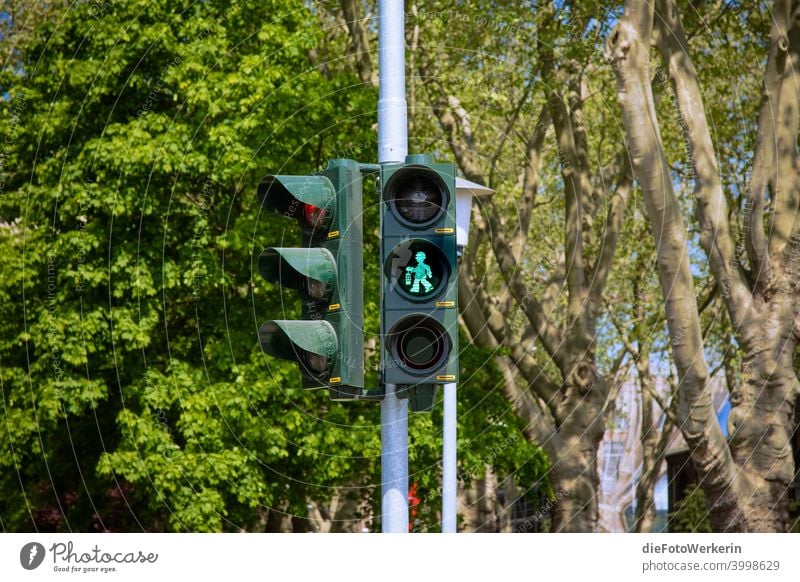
530	183
497	325
455	122
712	207
540	427
764	158
786	197
614	220
629	48
359	40
575	181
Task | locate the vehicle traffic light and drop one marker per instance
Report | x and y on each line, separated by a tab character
326	271
419	315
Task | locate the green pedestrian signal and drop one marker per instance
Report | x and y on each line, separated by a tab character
326	271
420	274
419	294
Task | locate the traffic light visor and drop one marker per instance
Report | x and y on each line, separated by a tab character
290	195
311	271
312	343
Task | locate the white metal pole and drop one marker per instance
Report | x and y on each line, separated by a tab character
393	147
449	460
394	463
392	109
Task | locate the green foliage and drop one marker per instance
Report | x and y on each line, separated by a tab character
692	514
134	392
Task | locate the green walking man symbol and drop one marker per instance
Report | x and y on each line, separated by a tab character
421	274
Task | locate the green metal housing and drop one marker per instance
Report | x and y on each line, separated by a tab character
327	272
434	304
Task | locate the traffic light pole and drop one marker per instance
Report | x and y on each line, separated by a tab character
393	147
449	460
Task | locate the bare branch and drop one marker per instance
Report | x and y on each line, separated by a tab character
764	158
786	196
712	207
614	220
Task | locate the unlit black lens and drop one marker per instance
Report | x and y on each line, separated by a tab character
420	343
317	290
420	348
316	363
418	198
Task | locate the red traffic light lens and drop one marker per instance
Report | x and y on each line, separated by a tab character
314	217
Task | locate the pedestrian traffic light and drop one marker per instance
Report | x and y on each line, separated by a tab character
326	271
419	316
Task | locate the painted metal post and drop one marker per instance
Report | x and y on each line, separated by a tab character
449	485
393	147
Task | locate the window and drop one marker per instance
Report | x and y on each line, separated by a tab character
612	458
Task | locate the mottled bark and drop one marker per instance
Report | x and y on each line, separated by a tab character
764	157
629	49
762	423
746	484
574	453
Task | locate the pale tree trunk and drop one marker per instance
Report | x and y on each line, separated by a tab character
762	417
763	404
645	504
746	484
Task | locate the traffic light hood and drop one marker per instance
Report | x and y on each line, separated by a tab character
286	194
287	339
290	267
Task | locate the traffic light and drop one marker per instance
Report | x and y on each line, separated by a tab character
419	315
326	271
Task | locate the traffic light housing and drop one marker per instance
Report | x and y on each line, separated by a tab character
419	294
326	271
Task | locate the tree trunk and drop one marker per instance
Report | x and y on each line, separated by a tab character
645	504
574	476
747	483
762	423
629	47
573	454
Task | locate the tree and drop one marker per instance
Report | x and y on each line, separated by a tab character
746	481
